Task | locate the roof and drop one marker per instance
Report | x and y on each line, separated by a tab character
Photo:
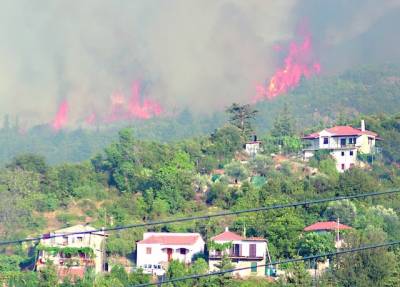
255	239
227	236
231	236
218	171
76	229
253	142
326	225
171	239
342	131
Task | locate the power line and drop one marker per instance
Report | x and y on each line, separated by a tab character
340	252
206	216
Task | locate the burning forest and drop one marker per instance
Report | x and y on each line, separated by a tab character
299	62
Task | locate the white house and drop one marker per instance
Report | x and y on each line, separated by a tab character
243	252
161	248
343	143
252	147
73	252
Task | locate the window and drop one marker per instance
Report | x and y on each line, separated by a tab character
342	153
182	251
148	250
252	250
326	140
351	153
342	166
253	267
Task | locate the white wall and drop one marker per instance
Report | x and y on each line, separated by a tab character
159	253
261	247
348	160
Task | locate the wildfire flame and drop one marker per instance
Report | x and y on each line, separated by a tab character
299	62
61	118
134	107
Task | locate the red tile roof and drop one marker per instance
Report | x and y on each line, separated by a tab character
231	236
171	239
326	225
227	236
311	136
342	131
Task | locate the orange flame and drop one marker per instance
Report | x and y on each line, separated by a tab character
300	62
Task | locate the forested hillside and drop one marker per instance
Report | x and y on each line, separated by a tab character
318	101
134	180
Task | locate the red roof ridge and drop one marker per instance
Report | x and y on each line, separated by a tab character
342	131
171	239
227	236
326	225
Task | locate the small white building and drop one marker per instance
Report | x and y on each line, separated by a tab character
243	252
87	247
252	147
343	143
161	248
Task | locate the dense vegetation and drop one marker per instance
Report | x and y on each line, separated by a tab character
134	180
316	102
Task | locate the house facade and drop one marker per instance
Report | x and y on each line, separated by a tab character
253	146
242	251
343	143
159	248
71	252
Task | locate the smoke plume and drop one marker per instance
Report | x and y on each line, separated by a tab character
197	54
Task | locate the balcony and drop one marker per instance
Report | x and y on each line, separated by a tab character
235	256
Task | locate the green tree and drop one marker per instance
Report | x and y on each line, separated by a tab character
177	269
226	141
237	171
372	267
315	243
241	116
173	181
138	277
284	124
48	276
225	264
344	210
29	162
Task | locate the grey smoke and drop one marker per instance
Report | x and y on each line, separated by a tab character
201	54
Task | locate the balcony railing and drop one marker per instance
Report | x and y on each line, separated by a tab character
232	255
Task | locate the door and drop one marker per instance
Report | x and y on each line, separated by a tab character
253	250
169	254
343	142
235	251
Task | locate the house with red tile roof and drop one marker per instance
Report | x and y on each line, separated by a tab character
243	252
159	248
329	226
343	143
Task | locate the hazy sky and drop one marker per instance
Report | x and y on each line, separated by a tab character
203	54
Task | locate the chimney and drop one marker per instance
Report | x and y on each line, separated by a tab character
362	125
226	229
